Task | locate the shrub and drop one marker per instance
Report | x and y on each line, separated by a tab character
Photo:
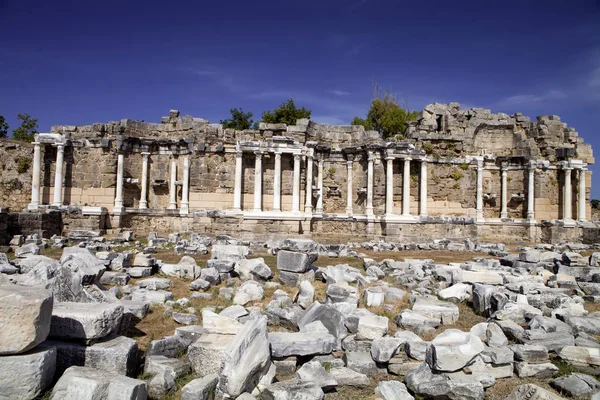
456	174
428	147
464	166
23	164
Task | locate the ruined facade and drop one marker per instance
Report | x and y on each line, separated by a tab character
456	173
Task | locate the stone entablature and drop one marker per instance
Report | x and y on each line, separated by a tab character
310	172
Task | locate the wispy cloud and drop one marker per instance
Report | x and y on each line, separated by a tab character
529	98
336	92
220	77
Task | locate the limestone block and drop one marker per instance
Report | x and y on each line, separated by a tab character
284	344
452	349
89	383
295	261
200	388
27	375
208	352
25	315
85	320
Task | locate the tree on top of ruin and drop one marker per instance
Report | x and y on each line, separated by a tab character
286	113
386	115
27	129
3	127
239	120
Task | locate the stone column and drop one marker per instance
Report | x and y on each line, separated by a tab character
277	183
185	192
58	175
35	179
309	180
389	186
406	187
504	189
369	207
423	189
582	201
531	191
296	187
349	193
479	203
320	185
118	209
568	212
258	181
173	187
237	186
144	195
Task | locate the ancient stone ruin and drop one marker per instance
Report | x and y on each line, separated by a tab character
457	173
183	261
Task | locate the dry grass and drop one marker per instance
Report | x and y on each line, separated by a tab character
591	307
352	393
153	326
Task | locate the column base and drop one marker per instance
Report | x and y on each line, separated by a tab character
118	210
32	206
143	205
504	216
172	206
569	222
184	210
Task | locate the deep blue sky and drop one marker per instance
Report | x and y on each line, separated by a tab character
79	62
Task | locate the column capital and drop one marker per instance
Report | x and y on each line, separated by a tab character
349	163
297	157
371	156
405	158
60	146
389	158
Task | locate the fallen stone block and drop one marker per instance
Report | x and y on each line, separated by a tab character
117	354
313	371
164	371
293	389
295	261
362	362
284	344
576	385
201	388
527	370
530	391
85	320
25	315
348	377
91	383
208	352
452	349
25	376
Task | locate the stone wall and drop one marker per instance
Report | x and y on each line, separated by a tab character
15	174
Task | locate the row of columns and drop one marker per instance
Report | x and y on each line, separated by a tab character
143	203
389	195
258	173
184	209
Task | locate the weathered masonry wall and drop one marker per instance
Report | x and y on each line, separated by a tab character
460	168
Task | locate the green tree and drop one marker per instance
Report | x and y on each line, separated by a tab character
3	127
386	116
595	203
287	113
239	120
27	129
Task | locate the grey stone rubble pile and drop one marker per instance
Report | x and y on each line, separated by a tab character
59	323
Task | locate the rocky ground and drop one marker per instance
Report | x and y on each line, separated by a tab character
203	318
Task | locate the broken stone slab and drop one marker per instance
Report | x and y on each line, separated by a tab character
163	372
85	320
393	390
139	272
27	375
26	250
342	293
519	313
293	389
168	346
495	337
253	268
208	352
151	296
229	252
456	293
371	327
114	278
155	283
530	353
483	277
247	359
295	261
331	318
293	279
91	383
249	291
347	377
185	269
530	391
219	324
589	325
580	355
540	371
576	385
306	294
384	348
313	371
394	295
25	315
223	266
423	382
416	322
452	349
373	296
361	361
200	388
185	318
116	354
285	344
497	355
553	341
447	313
